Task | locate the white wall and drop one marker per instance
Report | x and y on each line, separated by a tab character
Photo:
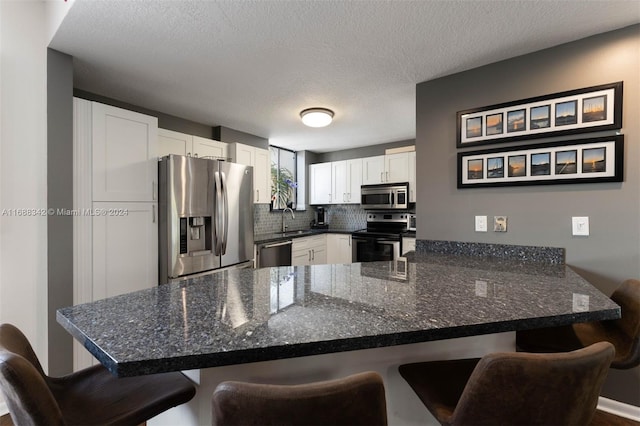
23	173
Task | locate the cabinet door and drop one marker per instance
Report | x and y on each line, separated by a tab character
243	154
338	248
125	155
125	248
203	147
300	257
339	182
318	247
373	170
320	183
262	176
397	167
412	177
354	180
170	142
319	255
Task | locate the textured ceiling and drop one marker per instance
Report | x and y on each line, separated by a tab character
254	65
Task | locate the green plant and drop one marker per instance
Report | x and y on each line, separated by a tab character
282	187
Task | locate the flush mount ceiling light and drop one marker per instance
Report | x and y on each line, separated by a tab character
316	117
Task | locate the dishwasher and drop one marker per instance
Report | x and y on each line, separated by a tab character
274	254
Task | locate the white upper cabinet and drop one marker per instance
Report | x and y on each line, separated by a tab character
391	168
203	147
346	180
339	182
396	167
354	180
320	183
170	142
259	159
125	154
412	177
373	170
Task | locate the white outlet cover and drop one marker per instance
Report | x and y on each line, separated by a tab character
580	225
499	224
481	224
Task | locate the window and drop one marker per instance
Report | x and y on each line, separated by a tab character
283	178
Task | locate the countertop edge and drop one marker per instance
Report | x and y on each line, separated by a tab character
188	362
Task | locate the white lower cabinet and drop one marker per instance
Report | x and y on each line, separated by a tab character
408	244
125	248
339	248
309	250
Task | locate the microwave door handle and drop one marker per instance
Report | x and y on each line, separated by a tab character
392	203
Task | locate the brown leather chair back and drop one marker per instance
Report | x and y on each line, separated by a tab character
535	389
22	382
627	295
354	400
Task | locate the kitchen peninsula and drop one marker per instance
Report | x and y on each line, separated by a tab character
305	323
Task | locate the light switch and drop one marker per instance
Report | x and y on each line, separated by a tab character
481	224
580	225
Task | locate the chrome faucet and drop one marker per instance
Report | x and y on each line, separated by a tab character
284	227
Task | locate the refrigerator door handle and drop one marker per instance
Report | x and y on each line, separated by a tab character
225	234
218	216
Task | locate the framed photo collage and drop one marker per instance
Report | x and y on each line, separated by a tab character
589	160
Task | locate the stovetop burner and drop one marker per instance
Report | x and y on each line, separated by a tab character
384	225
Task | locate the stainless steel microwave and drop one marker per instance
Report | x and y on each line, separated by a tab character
386	196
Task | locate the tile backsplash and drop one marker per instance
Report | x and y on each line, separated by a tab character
341	217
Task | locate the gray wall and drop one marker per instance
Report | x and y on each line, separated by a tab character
59	195
539	215
228	135
366	151
165	121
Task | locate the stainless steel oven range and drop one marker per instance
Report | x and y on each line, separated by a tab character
382	239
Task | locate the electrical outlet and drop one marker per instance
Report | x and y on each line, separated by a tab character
499	224
481	224
580	225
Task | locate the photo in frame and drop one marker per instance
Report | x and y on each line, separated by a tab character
589	109
587	160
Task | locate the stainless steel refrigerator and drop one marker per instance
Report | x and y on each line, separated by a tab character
205	216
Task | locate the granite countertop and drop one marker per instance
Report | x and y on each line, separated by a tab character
246	315
278	236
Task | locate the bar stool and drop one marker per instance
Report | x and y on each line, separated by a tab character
513	388
87	397
354	400
623	333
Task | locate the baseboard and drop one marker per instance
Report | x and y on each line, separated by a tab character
619	408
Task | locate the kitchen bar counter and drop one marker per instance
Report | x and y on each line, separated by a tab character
243	316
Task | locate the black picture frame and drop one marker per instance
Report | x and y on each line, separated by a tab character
594	109
575	161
